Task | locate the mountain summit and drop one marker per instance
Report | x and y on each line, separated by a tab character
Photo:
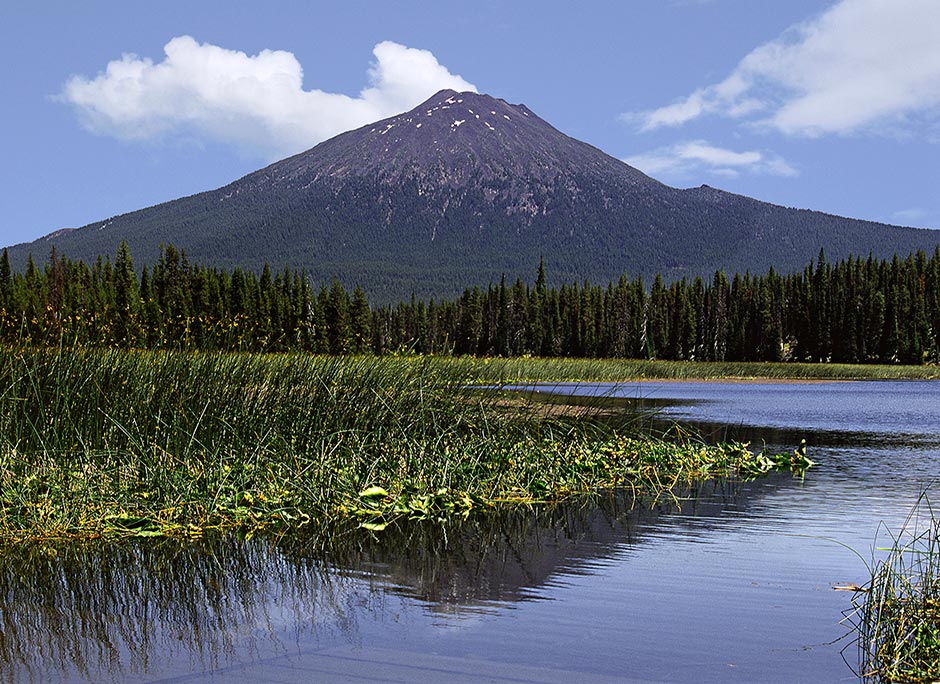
459	140
463	189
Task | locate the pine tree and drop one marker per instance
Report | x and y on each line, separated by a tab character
822	310
540	280
172	288
770	339
361	322
6	283
932	286
338	322
30	298
500	335
657	321
262	322
152	316
321	336
470	323
126	299
890	336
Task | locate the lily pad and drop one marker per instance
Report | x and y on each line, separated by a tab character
373	493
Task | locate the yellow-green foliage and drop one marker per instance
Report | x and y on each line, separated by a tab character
612	370
898	613
95	442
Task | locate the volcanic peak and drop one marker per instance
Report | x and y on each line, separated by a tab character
466	188
448	140
455	109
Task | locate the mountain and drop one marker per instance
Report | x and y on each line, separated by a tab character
463	189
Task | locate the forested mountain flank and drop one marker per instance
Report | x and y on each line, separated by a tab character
462	190
855	311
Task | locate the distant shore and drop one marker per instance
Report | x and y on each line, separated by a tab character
627	370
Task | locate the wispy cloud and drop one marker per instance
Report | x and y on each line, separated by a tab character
257	103
914	216
862	64
691	157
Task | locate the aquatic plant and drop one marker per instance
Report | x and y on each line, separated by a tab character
897	615
113	442
764	462
575	369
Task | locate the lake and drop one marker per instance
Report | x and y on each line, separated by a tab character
724	582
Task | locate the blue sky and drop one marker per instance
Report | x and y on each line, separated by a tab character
113	106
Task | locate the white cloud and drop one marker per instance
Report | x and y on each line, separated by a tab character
859	65
257	103
697	156
909	217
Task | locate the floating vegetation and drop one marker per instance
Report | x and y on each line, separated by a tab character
552	471
764	462
160	609
121	443
897	615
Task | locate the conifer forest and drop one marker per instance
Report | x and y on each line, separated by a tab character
854	311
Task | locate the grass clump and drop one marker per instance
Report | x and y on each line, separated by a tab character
106	442
898	612
523	369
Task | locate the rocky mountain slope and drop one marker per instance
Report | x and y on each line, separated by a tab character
463	189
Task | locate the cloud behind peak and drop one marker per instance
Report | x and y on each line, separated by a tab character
254	102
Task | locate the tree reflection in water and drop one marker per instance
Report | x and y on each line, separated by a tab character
142	608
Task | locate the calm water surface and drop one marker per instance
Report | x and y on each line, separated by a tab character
733	583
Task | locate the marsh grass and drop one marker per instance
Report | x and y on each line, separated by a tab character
106	442
897	615
564	369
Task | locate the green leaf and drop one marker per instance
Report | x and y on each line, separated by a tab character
148	533
373	493
373	527
129	522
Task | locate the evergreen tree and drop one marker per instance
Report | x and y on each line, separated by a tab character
339	326
321	331
31	299
500	335
540	280
126	299
151	316
470	324
262	322
657	321
361	322
872	310
821	324
6	283
770	339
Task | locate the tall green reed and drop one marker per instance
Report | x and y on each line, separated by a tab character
523	369
148	442
897	615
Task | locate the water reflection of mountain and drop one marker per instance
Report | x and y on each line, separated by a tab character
129	611
508	557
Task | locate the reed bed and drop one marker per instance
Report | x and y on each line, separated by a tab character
99	442
897	615
527	369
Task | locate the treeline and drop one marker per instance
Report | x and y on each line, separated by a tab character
853	311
